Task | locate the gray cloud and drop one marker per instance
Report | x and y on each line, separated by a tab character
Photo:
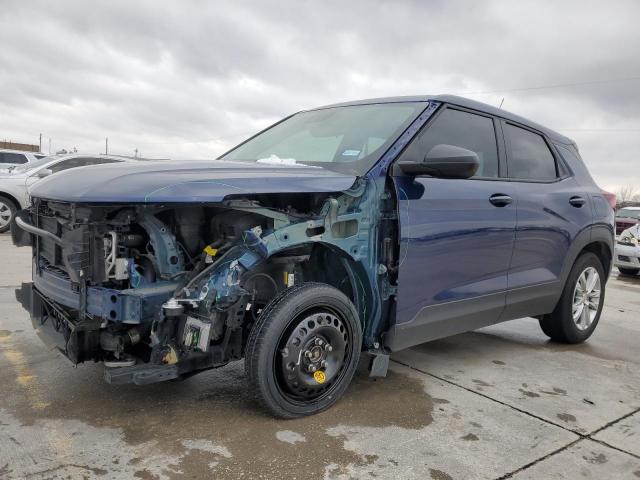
190	79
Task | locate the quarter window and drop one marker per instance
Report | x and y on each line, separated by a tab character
461	129
529	156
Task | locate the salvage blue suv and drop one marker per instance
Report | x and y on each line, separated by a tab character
364	227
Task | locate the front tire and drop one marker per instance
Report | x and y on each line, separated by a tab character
303	351
7	210
578	311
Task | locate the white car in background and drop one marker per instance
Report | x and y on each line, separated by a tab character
16	180
13	158
627	254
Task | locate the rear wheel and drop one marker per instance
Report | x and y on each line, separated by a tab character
7	210
303	351
628	271
578	311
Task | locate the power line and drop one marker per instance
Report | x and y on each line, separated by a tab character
557	85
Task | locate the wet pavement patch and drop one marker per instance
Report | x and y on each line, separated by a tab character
208	425
565	417
528	393
598	458
439	475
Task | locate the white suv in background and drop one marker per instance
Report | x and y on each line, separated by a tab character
13	158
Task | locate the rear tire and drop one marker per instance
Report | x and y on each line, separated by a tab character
303	350
628	271
7	211
578	311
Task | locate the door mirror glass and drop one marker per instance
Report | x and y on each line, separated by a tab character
444	161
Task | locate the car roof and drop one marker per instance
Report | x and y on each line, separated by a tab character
629	208
465	103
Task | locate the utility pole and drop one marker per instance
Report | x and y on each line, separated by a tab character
49	145
106	146
40	144
135	155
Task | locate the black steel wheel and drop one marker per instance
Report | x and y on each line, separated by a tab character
303	350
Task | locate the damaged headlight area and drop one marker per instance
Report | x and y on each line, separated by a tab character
158	292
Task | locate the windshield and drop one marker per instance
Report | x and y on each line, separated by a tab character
626	212
347	139
31	165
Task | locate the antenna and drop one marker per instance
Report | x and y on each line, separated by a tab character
501	102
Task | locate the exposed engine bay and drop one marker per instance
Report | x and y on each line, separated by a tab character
161	291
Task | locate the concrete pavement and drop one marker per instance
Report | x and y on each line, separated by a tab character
502	402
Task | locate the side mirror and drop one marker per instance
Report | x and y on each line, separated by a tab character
45	172
444	161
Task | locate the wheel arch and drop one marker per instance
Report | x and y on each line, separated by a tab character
333	266
8	196
600	250
599	240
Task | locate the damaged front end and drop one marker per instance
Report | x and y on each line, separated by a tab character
162	291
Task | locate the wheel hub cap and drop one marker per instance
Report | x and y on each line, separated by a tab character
5	214
313	355
586	298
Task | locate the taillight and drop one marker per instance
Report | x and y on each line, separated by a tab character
611	198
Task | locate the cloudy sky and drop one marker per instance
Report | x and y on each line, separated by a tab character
190	79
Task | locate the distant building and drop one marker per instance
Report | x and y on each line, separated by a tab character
25	147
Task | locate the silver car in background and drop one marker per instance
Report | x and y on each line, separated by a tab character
16	180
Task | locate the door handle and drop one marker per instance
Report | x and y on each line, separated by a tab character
500	200
577	201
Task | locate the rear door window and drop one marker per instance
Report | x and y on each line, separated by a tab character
460	129
529	155
13	158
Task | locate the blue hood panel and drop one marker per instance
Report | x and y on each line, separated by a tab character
199	181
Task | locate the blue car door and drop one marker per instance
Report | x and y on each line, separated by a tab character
456	236
552	210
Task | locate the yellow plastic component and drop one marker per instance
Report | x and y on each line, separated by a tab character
286	278
170	357
319	376
209	250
